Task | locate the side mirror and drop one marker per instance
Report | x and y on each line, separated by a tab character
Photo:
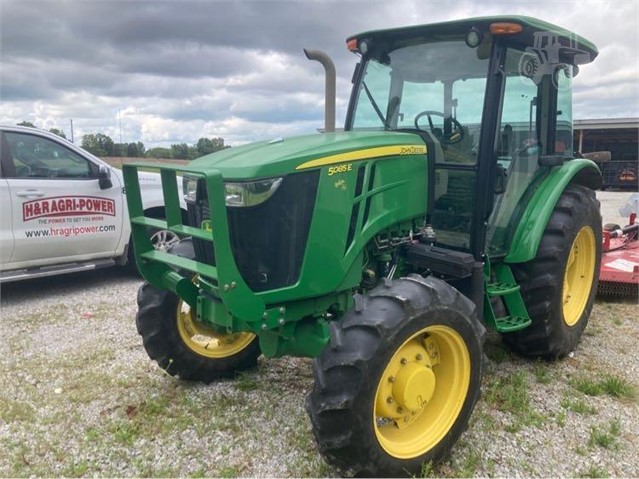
551	160
501	181
104	177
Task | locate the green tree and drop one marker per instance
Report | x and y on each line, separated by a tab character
119	149
159	153
132	150
205	146
99	144
57	131
26	123
180	151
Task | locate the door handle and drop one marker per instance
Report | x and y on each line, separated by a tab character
30	193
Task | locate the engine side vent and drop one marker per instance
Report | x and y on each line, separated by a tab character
352	227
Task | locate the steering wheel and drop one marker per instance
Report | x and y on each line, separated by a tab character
454	136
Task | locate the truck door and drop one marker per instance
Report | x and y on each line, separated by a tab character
60	214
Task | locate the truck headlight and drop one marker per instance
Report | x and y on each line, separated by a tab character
189	187
250	193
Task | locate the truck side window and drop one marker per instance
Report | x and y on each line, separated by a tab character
35	157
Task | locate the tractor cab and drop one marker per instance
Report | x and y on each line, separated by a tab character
492	102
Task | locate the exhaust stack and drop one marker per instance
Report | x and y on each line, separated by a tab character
329	93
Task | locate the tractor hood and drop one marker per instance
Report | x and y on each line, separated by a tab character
283	156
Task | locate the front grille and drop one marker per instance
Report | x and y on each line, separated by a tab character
198	213
268	240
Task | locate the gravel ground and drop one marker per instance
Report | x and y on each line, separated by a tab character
79	397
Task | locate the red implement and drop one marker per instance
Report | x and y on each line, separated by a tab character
619	274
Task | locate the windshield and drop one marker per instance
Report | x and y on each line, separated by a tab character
424	86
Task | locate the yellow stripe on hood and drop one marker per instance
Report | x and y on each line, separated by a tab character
365	154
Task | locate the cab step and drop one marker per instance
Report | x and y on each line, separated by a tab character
501	289
508	324
504	308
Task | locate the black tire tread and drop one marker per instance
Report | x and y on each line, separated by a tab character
346	368
156	323
541	279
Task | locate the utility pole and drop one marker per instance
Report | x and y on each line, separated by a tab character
120	118
71	121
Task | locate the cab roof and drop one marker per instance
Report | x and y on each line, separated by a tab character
526	37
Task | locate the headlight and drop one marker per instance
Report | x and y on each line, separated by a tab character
251	193
189	187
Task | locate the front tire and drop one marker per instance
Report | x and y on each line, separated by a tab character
399	380
559	285
180	344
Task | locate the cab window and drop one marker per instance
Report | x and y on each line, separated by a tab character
31	156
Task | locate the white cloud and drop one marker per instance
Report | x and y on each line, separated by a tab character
177	71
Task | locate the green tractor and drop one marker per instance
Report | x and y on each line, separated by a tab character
451	202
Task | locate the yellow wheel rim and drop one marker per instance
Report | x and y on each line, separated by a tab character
421	392
206	341
579	275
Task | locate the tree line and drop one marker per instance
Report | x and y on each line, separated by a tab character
103	145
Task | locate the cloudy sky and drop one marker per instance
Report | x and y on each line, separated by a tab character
175	71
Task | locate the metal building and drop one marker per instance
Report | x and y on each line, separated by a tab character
620	136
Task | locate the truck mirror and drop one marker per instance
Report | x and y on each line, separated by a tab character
104	177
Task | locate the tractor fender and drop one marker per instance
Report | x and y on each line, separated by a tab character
537	213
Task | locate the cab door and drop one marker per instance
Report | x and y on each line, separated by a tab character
59	212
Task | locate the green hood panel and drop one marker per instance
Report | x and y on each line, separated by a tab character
280	157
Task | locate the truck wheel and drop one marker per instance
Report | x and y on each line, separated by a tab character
183	346
161	240
559	285
399	380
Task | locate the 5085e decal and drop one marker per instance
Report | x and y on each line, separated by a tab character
67	206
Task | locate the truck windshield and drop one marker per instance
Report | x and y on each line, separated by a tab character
446	79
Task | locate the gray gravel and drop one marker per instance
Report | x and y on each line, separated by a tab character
79	397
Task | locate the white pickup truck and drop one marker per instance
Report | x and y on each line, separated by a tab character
62	209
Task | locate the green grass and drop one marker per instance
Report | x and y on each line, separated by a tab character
587	386
594	472
611	385
605	437
578	406
497	352
246	381
11	410
618	387
229	472
617	321
560	418
510	394
465	461
542	372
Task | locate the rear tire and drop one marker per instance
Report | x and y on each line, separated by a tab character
559	285
183	346
409	354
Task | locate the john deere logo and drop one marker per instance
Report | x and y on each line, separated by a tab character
206	225
544	58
